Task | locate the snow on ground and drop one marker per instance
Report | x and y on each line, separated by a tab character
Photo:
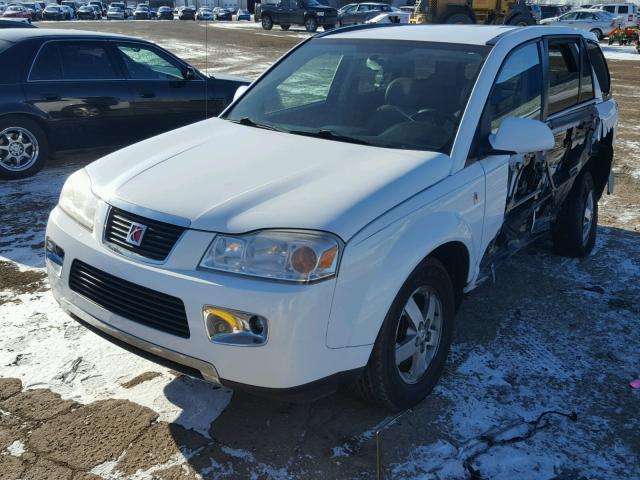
620	52
45	348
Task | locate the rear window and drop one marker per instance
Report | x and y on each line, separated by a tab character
564	75
599	65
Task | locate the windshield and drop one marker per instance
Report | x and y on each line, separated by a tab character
385	93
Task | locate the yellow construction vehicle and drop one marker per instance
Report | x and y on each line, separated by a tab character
488	12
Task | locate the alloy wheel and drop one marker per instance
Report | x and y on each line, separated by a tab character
18	149
418	334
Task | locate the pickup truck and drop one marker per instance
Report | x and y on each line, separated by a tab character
285	13
382	173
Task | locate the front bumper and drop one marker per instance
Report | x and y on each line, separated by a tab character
294	356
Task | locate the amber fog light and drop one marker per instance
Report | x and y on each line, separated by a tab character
234	327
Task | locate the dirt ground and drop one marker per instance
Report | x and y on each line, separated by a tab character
551	335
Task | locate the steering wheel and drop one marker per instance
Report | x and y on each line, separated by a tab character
436	116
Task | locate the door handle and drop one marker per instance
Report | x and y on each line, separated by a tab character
147	95
49	96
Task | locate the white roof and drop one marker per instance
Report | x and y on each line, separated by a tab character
463	34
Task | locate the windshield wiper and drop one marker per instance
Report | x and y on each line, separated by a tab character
250	123
330	135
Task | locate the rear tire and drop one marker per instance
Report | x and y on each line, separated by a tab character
598	33
311	24
574	231
267	23
459	19
395	384
32	147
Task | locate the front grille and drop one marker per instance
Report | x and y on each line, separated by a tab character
157	241
133	302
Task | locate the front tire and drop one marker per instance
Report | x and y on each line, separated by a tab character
574	232
412	345
23	148
311	24
267	23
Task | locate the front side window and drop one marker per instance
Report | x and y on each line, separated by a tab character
517	91
385	93
86	61
564	74
143	63
609	8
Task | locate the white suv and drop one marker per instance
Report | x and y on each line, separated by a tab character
626	13
382	173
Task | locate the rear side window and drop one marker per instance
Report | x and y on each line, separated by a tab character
586	81
517	91
599	66
86	61
564	75
47	64
623	9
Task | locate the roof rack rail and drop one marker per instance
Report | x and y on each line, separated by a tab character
363	26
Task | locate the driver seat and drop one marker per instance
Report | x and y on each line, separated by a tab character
400	104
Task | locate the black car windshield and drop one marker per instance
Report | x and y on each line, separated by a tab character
386	93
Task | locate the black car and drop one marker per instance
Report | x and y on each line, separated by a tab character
87	12
102	6
187	13
72	90
165	13
222	14
142	13
355	13
309	13
15	24
53	12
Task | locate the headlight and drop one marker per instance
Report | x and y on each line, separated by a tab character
77	199
278	254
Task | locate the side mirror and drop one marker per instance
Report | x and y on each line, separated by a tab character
522	135
189	73
240	91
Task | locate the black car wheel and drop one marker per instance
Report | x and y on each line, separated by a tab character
285	27
574	231
311	24
267	23
23	147
412	345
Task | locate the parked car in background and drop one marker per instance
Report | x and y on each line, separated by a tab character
220	13
18	11
356	13
153	13
87	12
70	90
391	17
69	12
431	164
536	11
550	11
165	13
204	13
142	13
54	12
187	13
598	22
35	8
101	5
626	12
116	13
15	23
72	4
243	15
310	13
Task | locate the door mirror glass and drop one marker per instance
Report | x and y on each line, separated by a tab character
240	91
522	135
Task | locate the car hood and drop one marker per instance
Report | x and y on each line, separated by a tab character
223	177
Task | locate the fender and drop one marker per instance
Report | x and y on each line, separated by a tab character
377	261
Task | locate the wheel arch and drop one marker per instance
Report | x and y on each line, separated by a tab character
38	119
600	164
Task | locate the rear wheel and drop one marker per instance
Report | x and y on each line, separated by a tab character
413	342
459	18
311	24
574	232
520	20
597	32
23	148
267	23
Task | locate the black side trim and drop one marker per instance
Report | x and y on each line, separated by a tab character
308	392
